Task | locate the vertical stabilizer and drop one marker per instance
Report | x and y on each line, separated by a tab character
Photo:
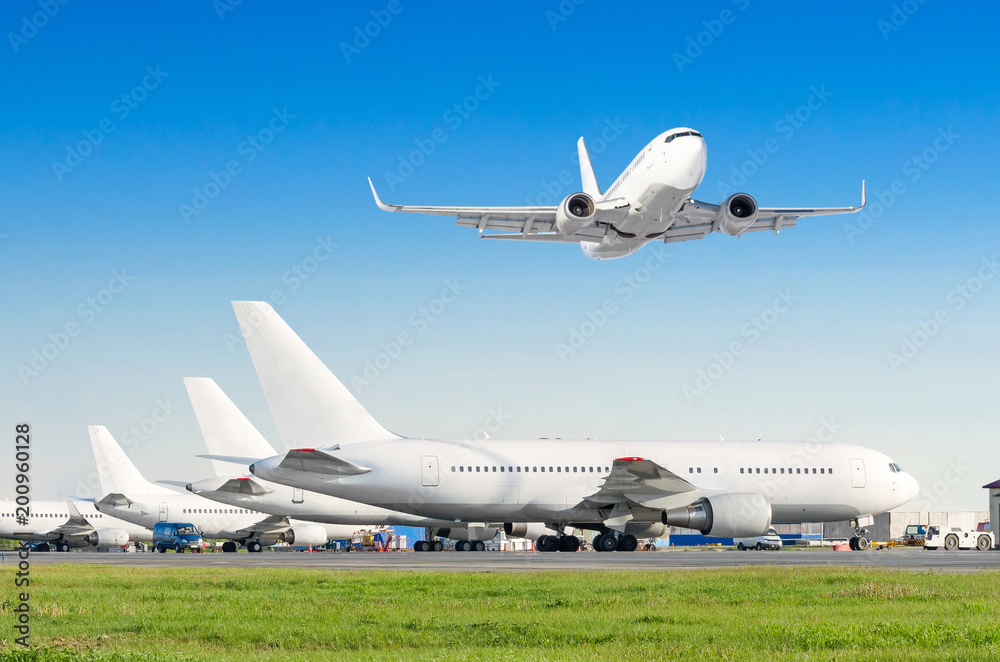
225	429
117	473
587	176
310	406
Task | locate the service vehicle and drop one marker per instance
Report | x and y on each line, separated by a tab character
177	536
769	540
956	537
914	535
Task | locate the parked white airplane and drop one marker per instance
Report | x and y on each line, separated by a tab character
622	489
129	496
68	524
227	432
650	201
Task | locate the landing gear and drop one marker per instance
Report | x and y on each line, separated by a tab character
627	543
606	542
434	546
44	547
437	546
229	546
254	546
62	547
547	544
463	546
479	546
420	546
569	544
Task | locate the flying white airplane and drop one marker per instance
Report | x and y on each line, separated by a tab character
129	496
68	524
621	489
650	201
227	432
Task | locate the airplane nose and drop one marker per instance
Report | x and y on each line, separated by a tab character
910	487
687	159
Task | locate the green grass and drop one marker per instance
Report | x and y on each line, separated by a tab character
109	613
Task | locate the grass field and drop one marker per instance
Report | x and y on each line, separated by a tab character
108	613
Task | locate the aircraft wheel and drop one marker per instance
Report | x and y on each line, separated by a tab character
462	546
605	542
547	544
437	546
627	543
479	546
229	546
951	542
569	544
420	546
44	547
862	544
983	543
853	543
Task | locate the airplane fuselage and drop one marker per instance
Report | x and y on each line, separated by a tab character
50	514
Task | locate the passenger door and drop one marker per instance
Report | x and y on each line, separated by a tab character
857	472
429	471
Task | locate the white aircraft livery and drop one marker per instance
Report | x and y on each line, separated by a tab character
67	524
650	201
623	489
227	432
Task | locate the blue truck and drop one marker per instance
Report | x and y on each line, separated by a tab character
177	536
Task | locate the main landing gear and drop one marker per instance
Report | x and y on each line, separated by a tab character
470	546
609	542
429	546
557	544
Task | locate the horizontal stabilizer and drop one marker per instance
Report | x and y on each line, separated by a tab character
243	485
232	459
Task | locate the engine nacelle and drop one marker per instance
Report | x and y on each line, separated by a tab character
738	515
737	213
532	530
646	529
575	213
307	534
108	538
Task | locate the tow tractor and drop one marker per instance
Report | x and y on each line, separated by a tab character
956	537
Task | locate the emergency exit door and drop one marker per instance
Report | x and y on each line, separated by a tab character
429	471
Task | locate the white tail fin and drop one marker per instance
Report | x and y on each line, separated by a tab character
117	473
225	429
587	176
309	404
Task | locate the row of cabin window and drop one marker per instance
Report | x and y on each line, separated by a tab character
627	172
782	470
211	511
533	469
52	515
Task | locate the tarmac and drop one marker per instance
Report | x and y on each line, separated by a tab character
913	559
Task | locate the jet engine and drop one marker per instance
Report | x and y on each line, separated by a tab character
308	534
575	213
646	529
737	213
108	538
737	515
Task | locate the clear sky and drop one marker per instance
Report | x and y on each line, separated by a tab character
157	163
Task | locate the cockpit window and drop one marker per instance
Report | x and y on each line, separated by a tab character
682	133
894	468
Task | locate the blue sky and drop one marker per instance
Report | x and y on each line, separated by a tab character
116	117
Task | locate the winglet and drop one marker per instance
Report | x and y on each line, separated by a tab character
864	199
378	201
587	176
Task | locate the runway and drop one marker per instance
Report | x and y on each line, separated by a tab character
902	559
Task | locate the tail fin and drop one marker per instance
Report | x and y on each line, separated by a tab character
225	429
587	176
309	404
117	473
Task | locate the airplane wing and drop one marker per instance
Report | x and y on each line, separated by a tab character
636	484
526	223
696	219
317	461
75	527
